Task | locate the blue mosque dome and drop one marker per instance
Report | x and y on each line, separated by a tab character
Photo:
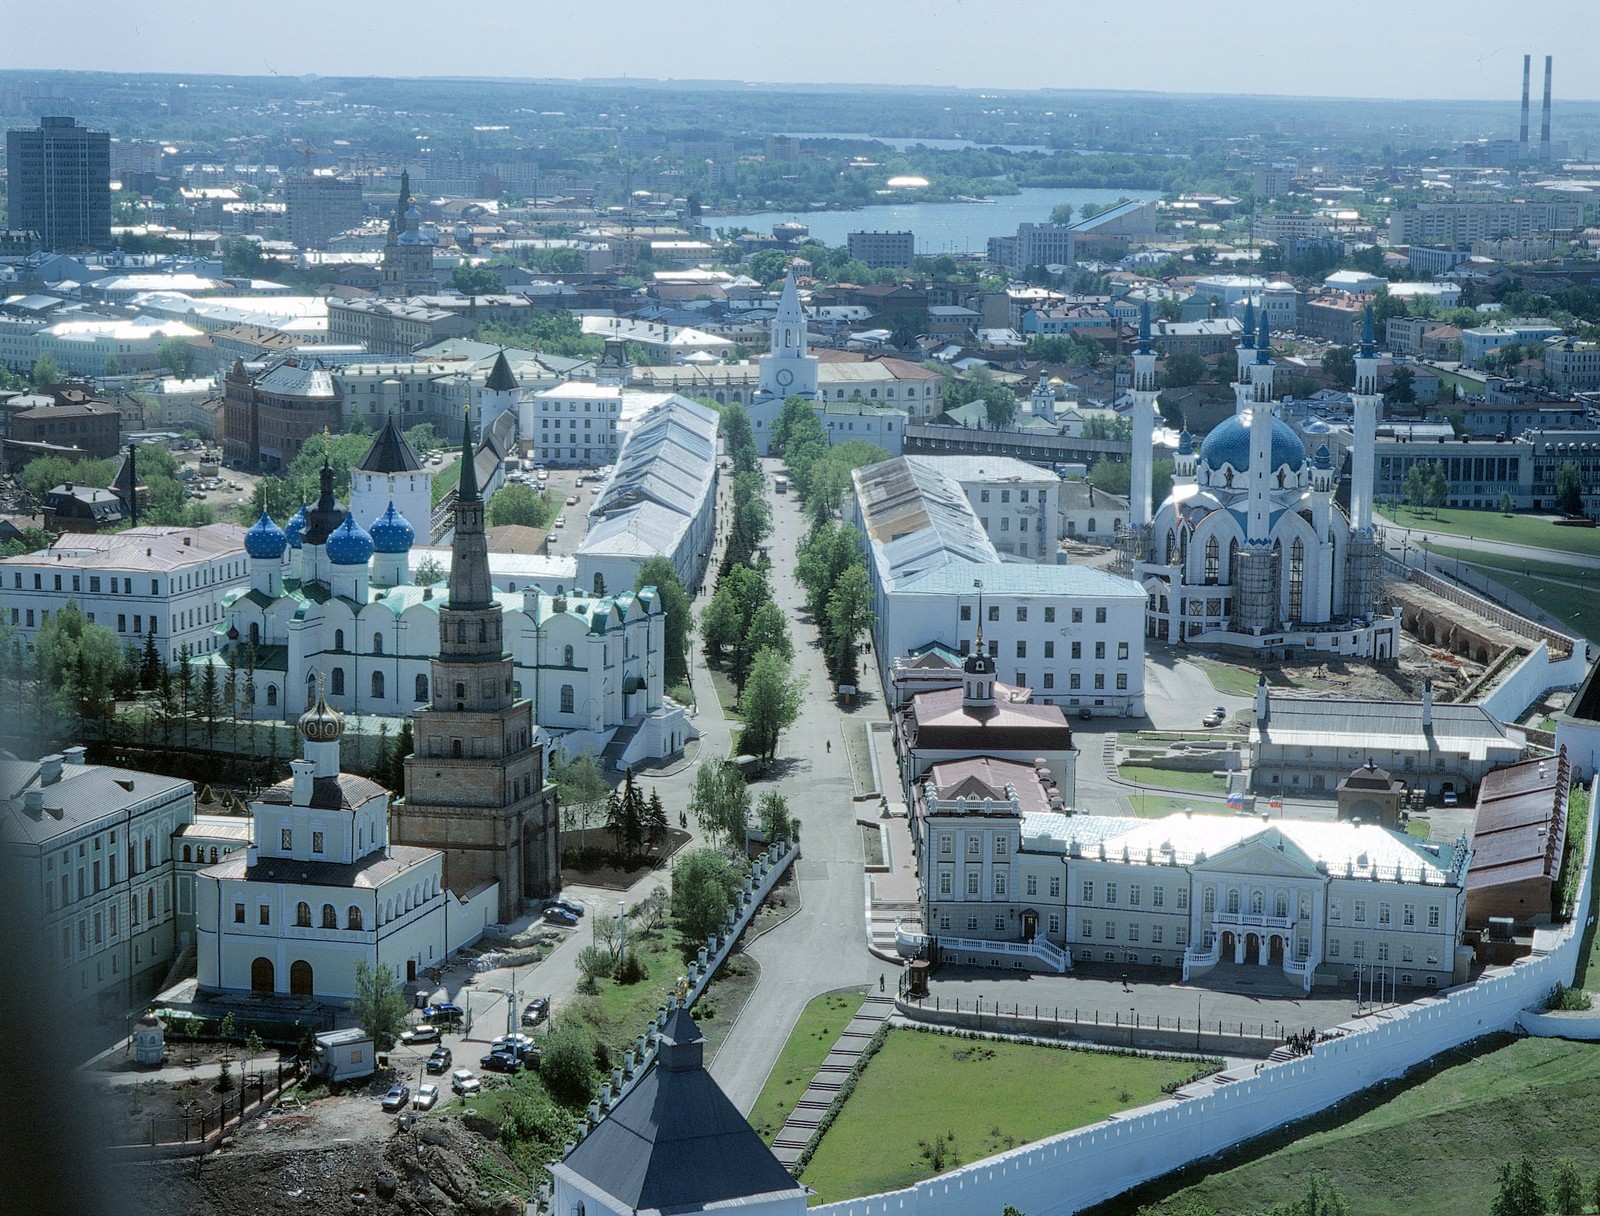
1185	444
1229	443
265	539
349	544
1323	458
296	526
391	533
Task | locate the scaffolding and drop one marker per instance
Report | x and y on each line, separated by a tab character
1361	584
1255	600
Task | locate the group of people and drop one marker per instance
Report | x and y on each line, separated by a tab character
1301	1042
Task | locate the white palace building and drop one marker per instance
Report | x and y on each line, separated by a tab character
1250	548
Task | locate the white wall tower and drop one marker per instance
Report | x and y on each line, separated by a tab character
787	370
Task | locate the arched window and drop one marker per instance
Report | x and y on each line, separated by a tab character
461	691
1257	903
311	689
377	643
213	854
377	684
1233	901
422	688
302	915
1091	523
255	634
150	903
566	656
461	632
483	629
353	918
455	749
1297	578
338	639
1213	559
336	680
149	854
599	583
1233	557
567	699
272	694
186	852
1209	903
330	917
1280	905
1172	548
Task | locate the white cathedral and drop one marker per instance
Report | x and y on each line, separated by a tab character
1250	549
334	600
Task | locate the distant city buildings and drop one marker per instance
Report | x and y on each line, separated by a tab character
59	184
1452	224
320	207
882	250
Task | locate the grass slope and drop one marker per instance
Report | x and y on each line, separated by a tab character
1430	1149
983	1096
1491	525
819	1026
1173	778
1562	591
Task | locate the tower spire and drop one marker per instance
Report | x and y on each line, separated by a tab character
468	488
1369	339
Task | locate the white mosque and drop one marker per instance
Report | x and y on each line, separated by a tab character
334	601
1250	549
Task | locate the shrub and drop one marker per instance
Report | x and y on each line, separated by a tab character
566	1065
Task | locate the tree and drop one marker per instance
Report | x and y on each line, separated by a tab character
771	703
768	628
768	265
1402	387
379	1006
625	818
1339	362
581	789
656	826
660	573
46	372
1508	505
477	280
78	666
1519	1193
720	803
1569	488
1061	213
1102	425
173	354
704	884
1112	476
424	439
1566	1188
428	572
772	813
515	503
566	1064
1183	369
403	743
209	701
850	612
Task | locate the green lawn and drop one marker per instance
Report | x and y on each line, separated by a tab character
982	1097
819	1026
619	1012
727	694
1154	806
1200	783
1429	1149
1225	677
1492	525
1545	583
1418	828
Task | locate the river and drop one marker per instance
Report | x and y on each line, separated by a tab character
940	227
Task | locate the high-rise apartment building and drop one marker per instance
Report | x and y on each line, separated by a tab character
60	184
321	207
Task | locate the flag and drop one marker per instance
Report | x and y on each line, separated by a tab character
1276	804
1236	799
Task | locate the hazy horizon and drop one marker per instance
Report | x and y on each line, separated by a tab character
1363	50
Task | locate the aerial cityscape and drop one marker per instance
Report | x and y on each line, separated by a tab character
862	623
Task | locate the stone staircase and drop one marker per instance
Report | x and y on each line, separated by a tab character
830	1077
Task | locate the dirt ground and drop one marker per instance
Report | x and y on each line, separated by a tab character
1334	677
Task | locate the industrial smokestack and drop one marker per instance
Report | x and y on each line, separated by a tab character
1527	75
1544	126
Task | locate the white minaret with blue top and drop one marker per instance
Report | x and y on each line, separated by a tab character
1262	472
265	544
1247	343
392	537
1365	399
1144	414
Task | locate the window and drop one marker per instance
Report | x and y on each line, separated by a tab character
946	843
1077	616
1333	947
1086	928
377	685
999	884
1055	887
1049	650
1049	679
353	918
1099	616
1077	650
972	883
1135	895
567	699
338	639
1111	931
377	643
1383	952
1208	902
1050	616
966	612
1183	935
1055	923
972	923
1122	650
1433	916
1022	614
1099	681
336	680
1111	892
302	915
1074	681
1158	897
566	656
1335	910
1156	935
944	884
1002	846
1099	650
421	689
1133	933
1122	681
1361	912
316	842
1383	914
1407	955
264	914
286	839
1032	885
272	695
974	846
330	917
1022	650
1408	915
1359	950
1088	890
994	613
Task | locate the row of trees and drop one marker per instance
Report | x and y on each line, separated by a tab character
720	804
830	567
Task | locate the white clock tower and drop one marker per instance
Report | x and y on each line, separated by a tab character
787	370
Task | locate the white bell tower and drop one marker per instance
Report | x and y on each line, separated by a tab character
787	370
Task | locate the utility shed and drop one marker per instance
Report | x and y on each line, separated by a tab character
1517	841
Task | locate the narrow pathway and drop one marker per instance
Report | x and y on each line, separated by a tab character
831	1075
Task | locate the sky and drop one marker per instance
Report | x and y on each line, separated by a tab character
1457	49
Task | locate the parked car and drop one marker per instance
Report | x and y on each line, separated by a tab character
1450	798
572	500
560	916
500	1061
427	1095
444	1013
536	1011
439	1062
519	1045
1215	718
465	1081
425	1033
561	520
567	905
397	1097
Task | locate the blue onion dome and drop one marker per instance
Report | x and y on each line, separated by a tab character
1323	458
1185	444
1229	444
296	526
349	544
391	533
265	539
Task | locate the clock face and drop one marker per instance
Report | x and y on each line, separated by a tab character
785	377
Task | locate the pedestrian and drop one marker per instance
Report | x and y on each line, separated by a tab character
830	745
880	981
